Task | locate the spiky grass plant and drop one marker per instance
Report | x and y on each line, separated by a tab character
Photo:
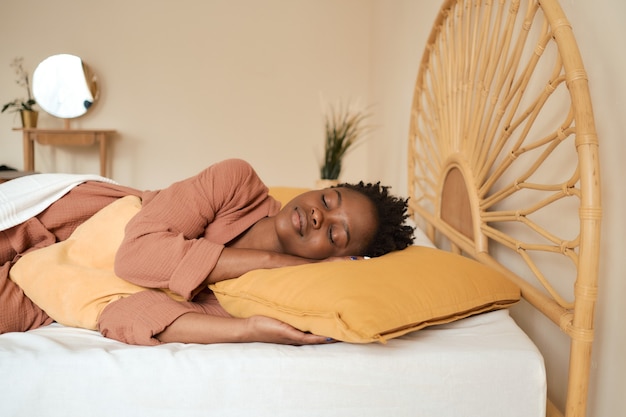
345	129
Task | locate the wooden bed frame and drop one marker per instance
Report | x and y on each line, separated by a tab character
489	75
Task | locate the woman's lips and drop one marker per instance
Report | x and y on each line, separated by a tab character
298	220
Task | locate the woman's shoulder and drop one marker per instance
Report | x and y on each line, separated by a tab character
232	167
236	164
231	175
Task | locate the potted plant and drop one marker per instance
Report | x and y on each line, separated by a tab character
344	130
24	106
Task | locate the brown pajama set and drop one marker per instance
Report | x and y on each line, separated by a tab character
173	242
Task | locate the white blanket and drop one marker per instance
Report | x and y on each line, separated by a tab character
25	197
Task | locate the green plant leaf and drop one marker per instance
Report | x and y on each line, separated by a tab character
344	130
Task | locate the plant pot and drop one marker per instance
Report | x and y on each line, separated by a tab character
29	118
325	183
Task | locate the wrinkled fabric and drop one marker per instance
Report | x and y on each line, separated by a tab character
56	223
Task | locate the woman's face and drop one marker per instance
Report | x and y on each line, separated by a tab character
324	223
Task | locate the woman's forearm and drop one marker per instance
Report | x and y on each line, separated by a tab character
234	262
206	329
203	328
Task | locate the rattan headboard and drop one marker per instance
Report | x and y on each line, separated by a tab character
503	160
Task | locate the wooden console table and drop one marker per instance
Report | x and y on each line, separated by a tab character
64	137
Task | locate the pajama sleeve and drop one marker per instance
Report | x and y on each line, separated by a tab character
176	239
138	318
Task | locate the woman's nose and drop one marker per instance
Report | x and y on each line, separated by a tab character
316	218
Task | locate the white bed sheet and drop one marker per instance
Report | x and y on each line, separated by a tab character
481	366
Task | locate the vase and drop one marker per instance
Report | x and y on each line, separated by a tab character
29	118
325	183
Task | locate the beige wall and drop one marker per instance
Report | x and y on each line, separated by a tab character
191	82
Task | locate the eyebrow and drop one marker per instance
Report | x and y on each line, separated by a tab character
345	225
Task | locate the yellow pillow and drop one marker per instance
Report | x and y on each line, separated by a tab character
286	194
73	280
370	300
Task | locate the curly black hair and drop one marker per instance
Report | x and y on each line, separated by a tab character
392	234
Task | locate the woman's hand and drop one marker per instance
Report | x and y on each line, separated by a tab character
269	330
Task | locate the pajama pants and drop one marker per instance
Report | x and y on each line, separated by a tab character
55	224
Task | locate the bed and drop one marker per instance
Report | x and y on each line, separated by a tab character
501	96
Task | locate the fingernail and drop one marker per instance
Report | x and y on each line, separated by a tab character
366	257
353	258
330	339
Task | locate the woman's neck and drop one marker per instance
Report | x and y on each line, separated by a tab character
260	236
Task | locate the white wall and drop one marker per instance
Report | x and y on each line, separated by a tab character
189	83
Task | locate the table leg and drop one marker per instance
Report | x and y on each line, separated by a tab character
29	152
103	154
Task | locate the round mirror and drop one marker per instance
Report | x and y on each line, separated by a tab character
64	86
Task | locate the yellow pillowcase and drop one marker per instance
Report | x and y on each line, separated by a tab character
73	280
286	194
370	300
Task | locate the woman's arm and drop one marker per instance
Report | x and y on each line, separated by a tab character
176	239
151	317
202	328
234	262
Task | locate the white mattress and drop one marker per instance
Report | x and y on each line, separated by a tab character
481	366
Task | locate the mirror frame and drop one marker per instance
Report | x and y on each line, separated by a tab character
64	86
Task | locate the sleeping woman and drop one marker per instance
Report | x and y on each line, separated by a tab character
211	227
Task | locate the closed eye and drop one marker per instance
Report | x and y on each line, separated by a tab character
330	235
